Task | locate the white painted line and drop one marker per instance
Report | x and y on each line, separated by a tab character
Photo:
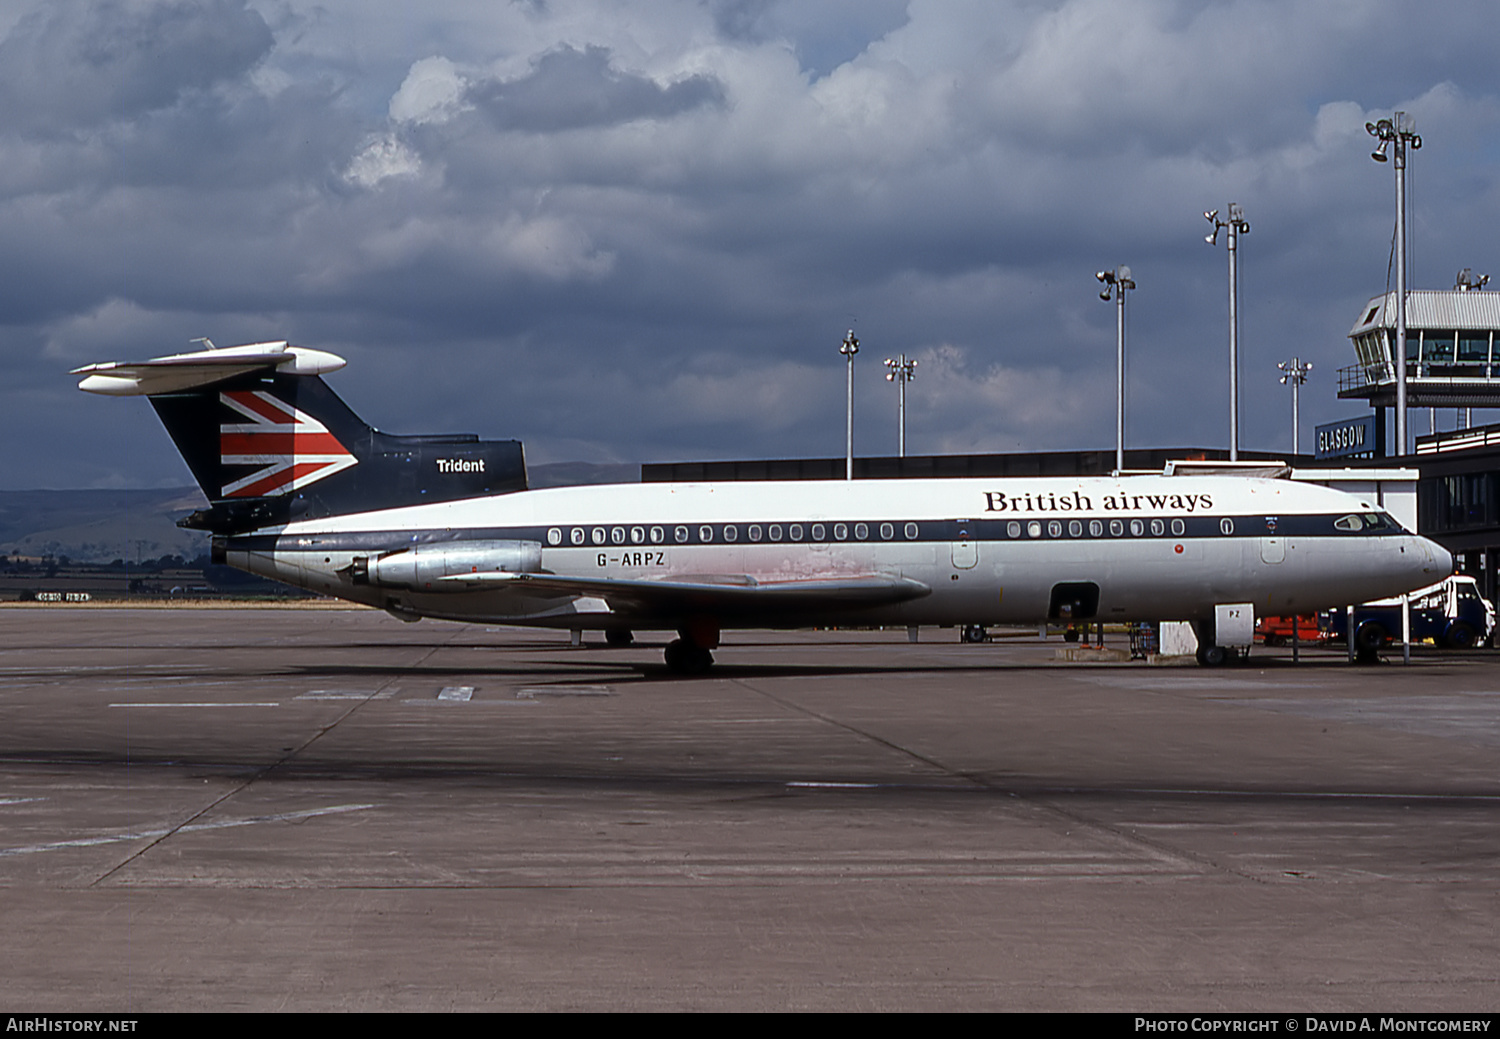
532	691
834	786
264	704
461	693
136	835
19	800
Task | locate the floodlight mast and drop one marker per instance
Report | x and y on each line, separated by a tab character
1116	282
1401	132
1294	374
1236	225
849	347
901	372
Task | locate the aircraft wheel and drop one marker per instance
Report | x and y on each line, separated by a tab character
1460	635
1370	636
973	633
1213	656
618	637
684	658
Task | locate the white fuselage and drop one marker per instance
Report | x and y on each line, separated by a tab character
989	550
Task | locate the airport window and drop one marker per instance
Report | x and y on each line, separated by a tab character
1096	528
617	535
1054	528
1158	527
911	530
1013	528
577	536
754	532
1075	528
1473	347
657	535
819	532
637	536
554	536
1226	525
1437	347
775	531
861	531
1178	527
795	532
705	533
681	534
1034	529
887	531
841	531
731	532
1116	528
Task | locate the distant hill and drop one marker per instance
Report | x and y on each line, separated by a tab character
98	526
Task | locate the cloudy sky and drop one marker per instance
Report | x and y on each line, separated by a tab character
637	231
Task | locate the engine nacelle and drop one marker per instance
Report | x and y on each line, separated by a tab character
423	567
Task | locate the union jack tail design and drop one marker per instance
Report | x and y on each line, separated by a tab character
289	447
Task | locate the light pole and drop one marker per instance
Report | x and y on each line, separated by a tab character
901	372
1116	282
1236	225
1294	373
1400	131
849	347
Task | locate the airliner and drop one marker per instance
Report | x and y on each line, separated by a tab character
303	491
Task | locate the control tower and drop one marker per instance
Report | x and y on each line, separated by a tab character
1452	356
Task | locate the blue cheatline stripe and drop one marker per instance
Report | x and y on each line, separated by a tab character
824	531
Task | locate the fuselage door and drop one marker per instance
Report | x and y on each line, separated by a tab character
1272	550
965	548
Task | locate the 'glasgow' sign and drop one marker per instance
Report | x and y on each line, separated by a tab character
1352	436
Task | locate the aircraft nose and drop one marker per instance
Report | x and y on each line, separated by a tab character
1441	560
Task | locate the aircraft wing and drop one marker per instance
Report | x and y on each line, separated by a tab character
723	594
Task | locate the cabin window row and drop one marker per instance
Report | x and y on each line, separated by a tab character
1096	528
729	532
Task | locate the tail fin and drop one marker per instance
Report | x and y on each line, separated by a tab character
270	442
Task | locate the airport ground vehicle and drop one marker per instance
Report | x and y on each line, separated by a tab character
1279	631
1451	613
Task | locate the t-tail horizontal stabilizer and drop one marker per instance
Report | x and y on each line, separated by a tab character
270	442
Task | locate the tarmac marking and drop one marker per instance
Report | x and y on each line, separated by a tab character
205	704
460	693
223	824
345	694
532	691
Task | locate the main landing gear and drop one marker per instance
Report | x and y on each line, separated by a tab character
689	653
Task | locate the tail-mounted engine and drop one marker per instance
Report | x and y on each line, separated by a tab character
448	566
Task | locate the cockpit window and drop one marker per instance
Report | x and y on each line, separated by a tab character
1356	522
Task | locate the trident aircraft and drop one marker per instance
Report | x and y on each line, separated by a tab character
302	491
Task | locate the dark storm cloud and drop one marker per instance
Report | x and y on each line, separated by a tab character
644	237
567	89
75	64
